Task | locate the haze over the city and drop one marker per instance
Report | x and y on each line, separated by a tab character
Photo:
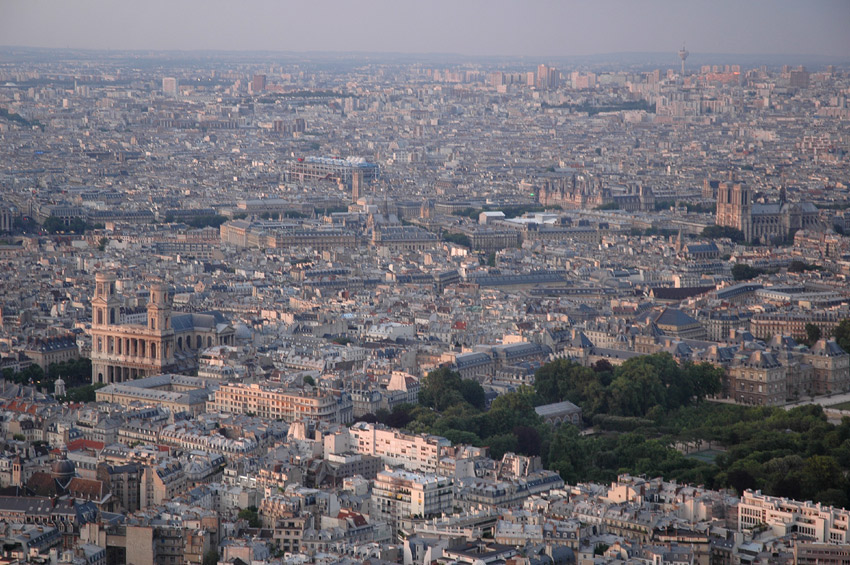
478	28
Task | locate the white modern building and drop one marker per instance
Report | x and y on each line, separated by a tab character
399	495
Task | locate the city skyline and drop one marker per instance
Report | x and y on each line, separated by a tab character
381	307
472	28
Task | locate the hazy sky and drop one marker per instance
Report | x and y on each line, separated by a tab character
474	27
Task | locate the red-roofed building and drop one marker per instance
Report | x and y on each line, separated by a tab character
79	444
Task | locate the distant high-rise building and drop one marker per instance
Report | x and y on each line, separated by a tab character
259	83
799	78
169	86
542	76
547	77
554	78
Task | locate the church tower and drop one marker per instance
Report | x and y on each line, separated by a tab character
159	308
17	472
743	204
734	207
106	305
126	349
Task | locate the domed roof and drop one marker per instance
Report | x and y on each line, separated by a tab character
62	468
243	331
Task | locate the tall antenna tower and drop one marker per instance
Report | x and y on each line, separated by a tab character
683	54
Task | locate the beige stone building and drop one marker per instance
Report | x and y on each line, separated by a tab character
44	351
124	350
161	482
285	404
831	367
758	379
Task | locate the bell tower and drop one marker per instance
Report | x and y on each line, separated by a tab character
106	306
734	207
743	209
159	308
17	471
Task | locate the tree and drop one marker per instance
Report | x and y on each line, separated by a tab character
86	393
706	379
813	333
440	389
473	393
458	238
308	380
529	441
206	221
741	480
211	557
251	515
636	388
820	471
608	206
600	549
842	334
101	244
797	266
501	444
744	272
719	232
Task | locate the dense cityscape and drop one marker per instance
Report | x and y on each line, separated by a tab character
291	309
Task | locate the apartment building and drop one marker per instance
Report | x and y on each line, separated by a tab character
414	452
399	495
824	524
282	404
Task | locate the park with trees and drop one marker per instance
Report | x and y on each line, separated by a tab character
637	414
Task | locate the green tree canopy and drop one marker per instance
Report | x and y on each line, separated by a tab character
443	388
720	232
458	238
211	557
252	516
744	272
813	333
842	334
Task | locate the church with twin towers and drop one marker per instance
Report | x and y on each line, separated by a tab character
130	343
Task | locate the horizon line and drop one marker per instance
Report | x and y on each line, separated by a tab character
673	53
